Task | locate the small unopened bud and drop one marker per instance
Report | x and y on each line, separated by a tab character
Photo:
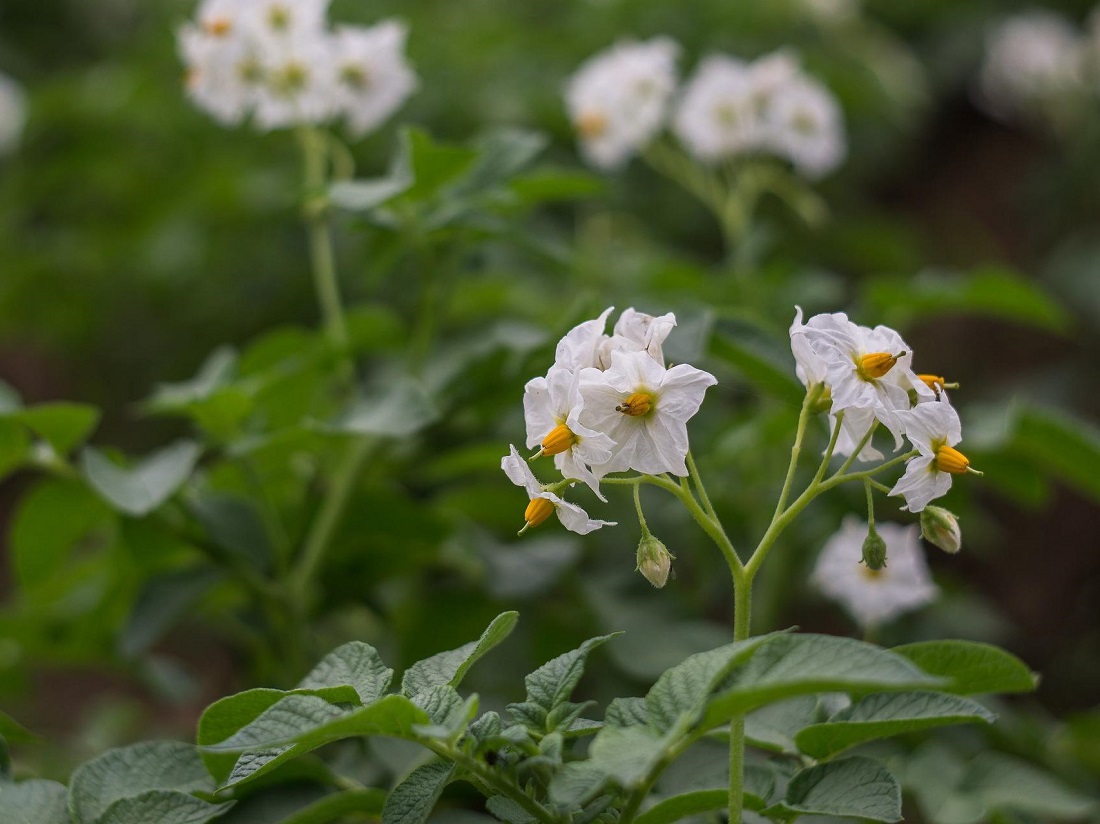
940	527
874	550
654	561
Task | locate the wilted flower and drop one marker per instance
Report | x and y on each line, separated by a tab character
618	99
940	527
934	429
544	503
13	113
873	597
644	408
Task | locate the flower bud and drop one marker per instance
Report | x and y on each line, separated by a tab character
874	550
654	560
824	402
940	527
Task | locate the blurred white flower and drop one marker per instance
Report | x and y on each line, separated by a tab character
644	408
552	407
224	74
13	113
298	86
934	429
874	597
618	99
373	78
804	125
1030	59
544	503
285	20
717	117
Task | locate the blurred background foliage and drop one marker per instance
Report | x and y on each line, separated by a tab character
137	237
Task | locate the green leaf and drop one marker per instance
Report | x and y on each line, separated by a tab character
140	490
1002	782
760	360
127	772
10	401
508	811
449	713
64	425
796	664
215	373
972	668
551	185
332	807
413	800
623	756
366	195
774	726
501	154
34	802
354	664
990	291
681	693
553	682
1066	446
398	411
13	731
51	520
856	787
626	712
162	602
235	524
451	667
434	165
884	715
685	804
15	447
225	717
163	807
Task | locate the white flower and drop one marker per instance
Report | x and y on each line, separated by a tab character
224	74
543	503
618	99
286	20
298	83
580	348
637	332
1029	58
373	77
717	117
865	368
13	113
874	597
552	407
644	408
803	123
934	429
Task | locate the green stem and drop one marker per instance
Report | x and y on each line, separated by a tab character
700	489
812	396
638	508
870	503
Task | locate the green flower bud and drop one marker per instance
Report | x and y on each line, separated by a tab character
874	551
654	560
941	527
824	401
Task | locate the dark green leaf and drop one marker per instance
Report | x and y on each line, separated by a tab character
774	726
1065	446
972	668
881	716
1002	782
451	667
13	731
140	490
163	600
398	411
163	807
235	524
15	446
412	801
332	807
626	712
761	361
856	787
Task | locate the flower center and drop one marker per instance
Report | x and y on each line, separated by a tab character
726	115
591	124
218	27
356	77
559	439
538	511
279	18
804	123
949	459
875	365
638	404
293	78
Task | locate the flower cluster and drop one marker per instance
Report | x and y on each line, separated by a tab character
608	404
865	379
620	99
277	61
874	596
12	113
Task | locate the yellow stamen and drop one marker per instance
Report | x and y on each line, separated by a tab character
591	124
638	404
876	364
949	459
873	574
218	27
537	511
560	439
937	383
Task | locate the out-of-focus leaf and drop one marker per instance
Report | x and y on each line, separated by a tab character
140	490
1067	447
162	601
216	372
548	186
15	446
10	400
13	731
397	411
34	802
766	365
163	807
450	667
64	425
234	524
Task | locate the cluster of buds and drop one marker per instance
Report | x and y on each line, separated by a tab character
608	404
277	61
866	374
620	99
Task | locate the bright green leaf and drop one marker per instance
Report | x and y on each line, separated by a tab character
972	668
451	667
413	800
885	715
34	802
15	446
856	787
64	425
13	731
140	490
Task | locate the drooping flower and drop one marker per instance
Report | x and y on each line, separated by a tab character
940	527
13	113
544	503
552	407
644	408
618	99
934	429
373	78
874	597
